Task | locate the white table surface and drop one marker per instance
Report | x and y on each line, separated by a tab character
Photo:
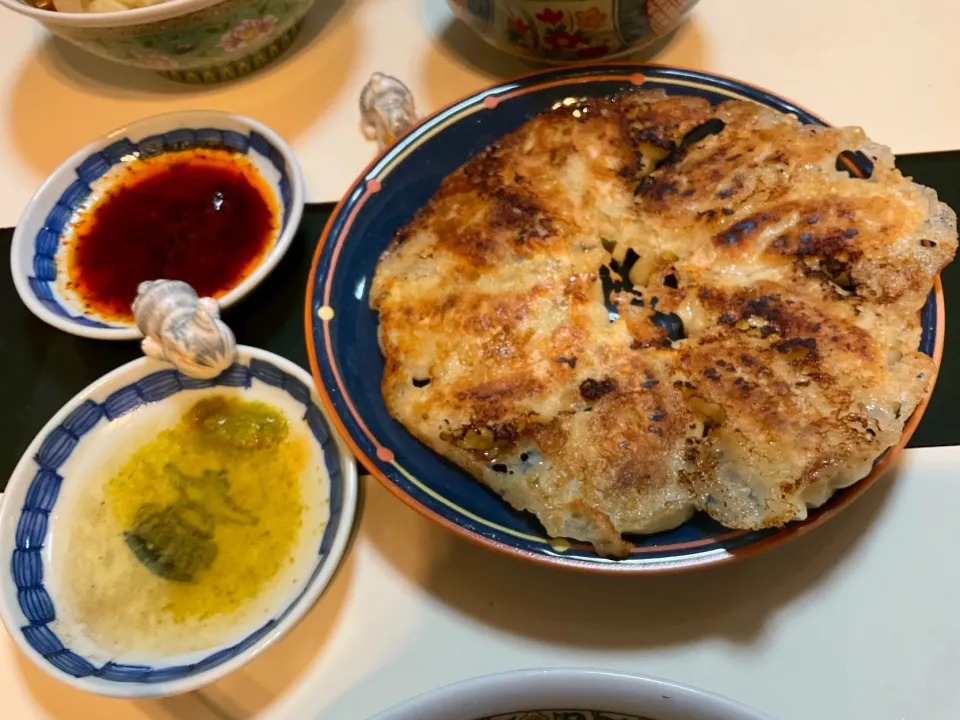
898	78
855	621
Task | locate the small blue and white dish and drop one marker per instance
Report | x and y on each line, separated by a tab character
348	365
39	242
121	409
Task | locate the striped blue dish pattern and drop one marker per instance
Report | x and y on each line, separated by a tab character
43	281
27	562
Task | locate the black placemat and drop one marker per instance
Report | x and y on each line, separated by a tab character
41	367
941	171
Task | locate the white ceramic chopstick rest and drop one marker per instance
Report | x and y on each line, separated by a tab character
183	329
386	109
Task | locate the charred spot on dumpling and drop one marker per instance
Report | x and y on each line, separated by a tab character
714	126
591	389
702	131
798	349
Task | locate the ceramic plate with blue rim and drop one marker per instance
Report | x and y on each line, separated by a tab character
74	452
40	241
348	365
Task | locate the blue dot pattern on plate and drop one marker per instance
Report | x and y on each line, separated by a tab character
27	562
43	281
386	198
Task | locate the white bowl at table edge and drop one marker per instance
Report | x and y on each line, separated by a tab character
25	233
569	689
9	516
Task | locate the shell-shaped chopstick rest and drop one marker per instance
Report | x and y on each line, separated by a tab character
386	109
183	329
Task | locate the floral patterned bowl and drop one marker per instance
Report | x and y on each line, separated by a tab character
194	41
562	31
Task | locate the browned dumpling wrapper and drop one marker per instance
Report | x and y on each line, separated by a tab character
635	308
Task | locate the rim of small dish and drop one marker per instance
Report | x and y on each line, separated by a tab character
522	84
290	615
569	689
119	18
23	240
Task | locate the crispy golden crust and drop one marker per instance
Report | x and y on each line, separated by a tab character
797	288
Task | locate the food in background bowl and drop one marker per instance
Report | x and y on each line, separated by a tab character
195	41
571	30
634	308
94	6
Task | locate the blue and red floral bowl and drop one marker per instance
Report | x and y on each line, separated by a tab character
196	41
564	31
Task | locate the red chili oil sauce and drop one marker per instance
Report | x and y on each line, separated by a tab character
204	216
